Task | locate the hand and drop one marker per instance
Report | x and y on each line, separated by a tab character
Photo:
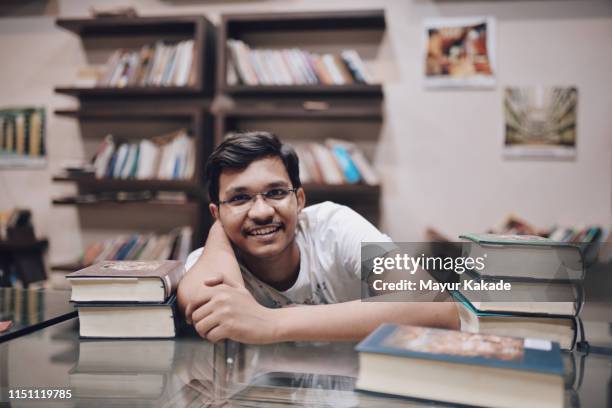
224	310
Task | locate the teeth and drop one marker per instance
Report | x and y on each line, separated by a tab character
264	231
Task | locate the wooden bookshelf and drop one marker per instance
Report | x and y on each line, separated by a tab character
193	27
119	111
278	107
239	26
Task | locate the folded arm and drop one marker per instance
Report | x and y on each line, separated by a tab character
217	260
228	311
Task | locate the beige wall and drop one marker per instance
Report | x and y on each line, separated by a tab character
440	151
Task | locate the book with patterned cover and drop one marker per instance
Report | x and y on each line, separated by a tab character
126	281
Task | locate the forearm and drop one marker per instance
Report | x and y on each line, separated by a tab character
217	259
351	321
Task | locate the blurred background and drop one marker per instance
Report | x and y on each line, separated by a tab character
430	118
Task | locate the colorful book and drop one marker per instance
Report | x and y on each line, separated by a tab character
559	329
461	368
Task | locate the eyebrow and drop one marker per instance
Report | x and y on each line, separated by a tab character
242	189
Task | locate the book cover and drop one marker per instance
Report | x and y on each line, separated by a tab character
128	320
510	353
169	272
513	239
349	170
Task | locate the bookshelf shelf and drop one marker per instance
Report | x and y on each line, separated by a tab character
344	192
67	267
374	90
94	184
132	205
133	25
128	113
170	91
367	112
319	20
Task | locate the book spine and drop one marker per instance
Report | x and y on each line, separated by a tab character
350	171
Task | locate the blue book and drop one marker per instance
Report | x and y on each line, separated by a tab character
349	170
461	367
125	249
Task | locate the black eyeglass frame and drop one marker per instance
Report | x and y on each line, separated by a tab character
263	194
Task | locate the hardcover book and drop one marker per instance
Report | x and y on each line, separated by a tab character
461	367
122	321
560	329
126	281
525	257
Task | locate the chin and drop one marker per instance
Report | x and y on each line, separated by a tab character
264	251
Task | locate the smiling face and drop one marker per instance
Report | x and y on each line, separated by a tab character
267	228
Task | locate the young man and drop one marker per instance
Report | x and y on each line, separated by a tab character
266	253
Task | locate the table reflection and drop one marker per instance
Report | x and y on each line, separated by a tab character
190	372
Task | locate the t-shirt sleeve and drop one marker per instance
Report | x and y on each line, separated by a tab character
192	258
351	230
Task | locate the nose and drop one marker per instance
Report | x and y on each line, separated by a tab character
261	210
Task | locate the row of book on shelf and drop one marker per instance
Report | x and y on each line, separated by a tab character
335	162
22	132
175	244
22	308
167	157
293	66
161	64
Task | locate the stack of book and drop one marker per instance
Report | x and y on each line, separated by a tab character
141	247
166	157
461	368
161	64
335	162
293	67
546	287
127	299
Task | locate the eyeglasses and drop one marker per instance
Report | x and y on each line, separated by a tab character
244	201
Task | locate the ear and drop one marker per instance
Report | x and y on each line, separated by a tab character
214	210
301	198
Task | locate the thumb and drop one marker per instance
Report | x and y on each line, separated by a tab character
213	280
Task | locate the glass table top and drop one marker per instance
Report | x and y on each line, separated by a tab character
191	372
25	310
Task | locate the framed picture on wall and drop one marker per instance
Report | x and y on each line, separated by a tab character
22	138
540	122
459	52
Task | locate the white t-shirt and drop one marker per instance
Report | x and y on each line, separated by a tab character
329	238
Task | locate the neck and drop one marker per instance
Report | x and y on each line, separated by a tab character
280	271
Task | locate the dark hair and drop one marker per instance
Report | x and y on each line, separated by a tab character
239	150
